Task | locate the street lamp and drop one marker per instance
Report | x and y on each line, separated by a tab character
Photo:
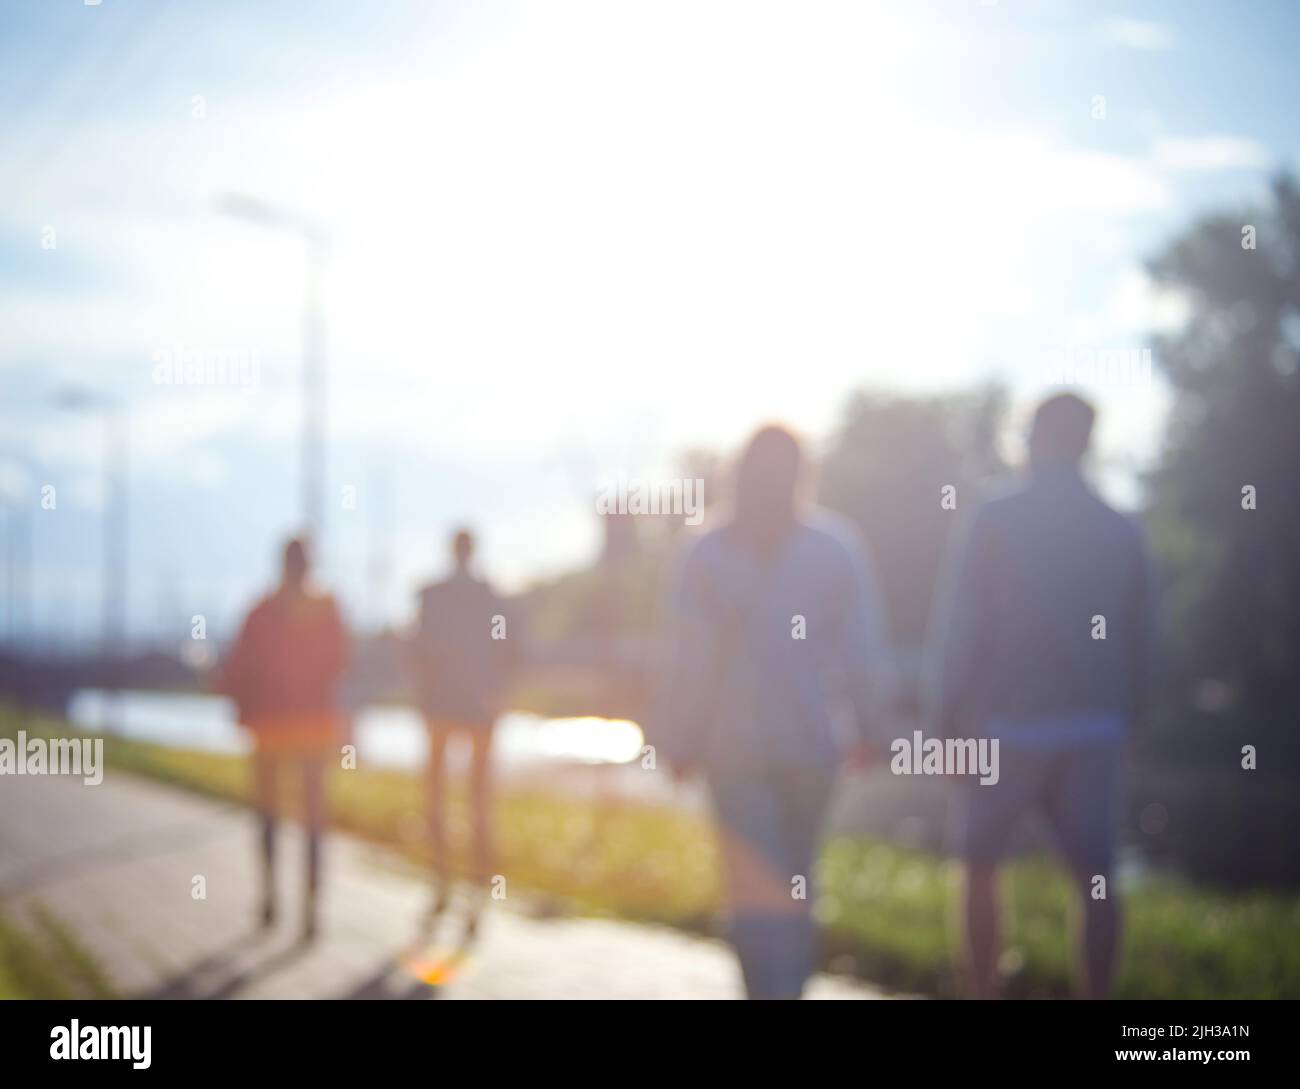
315	240
115	536
20	526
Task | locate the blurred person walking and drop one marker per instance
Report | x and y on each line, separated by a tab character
283	674
1041	638
775	633
463	657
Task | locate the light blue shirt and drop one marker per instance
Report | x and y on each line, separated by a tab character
776	664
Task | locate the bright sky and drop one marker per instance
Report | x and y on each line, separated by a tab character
568	240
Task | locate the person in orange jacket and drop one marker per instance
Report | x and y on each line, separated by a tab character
283	674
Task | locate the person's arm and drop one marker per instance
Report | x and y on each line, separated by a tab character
408	640
423	619
235	676
1144	596
336	649
514	646
958	628
687	651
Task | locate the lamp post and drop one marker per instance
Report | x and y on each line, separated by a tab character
116	540
316	246
19	527
17	547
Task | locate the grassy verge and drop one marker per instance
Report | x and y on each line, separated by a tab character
886	909
45	961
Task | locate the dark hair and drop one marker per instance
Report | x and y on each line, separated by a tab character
1061	429
766	489
296	556
462	544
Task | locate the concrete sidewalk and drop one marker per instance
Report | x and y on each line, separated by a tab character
117	862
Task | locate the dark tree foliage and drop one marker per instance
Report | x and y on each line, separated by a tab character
885	470
1232	674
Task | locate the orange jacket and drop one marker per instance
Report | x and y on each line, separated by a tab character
288	658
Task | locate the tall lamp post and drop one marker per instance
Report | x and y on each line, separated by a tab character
116	541
315	241
17	549
20	526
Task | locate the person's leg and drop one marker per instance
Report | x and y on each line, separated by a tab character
436	801
803	794
480	800
265	775
986	817
758	898
313	783
1085	815
1100	940
982	940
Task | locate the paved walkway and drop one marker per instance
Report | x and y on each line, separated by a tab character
117	862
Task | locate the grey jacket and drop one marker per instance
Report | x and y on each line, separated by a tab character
1014	630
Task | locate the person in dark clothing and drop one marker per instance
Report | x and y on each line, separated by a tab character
1042	639
464	654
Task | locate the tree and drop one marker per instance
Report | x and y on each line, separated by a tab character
886	470
1226	517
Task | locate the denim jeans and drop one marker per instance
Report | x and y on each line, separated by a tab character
770	822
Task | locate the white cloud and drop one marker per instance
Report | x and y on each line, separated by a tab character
1202	153
1142	34
1134	309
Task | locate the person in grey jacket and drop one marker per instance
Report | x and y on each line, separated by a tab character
463	657
1042	639
776	662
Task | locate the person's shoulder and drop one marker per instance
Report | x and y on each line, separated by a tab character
700	554
317	606
1126	526
484	590
263	608
696	546
325	601
457	591
831	532
431	591
835	545
1001	494
997	504
1123	523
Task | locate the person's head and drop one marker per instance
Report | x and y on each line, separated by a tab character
767	486
296	563
462	548
1059	435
